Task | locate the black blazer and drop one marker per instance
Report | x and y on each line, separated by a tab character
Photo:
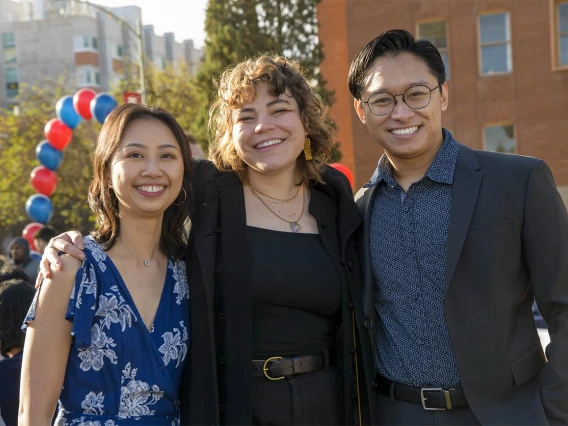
216	386
507	243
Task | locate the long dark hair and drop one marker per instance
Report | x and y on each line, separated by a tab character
102	199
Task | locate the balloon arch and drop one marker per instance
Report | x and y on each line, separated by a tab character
70	111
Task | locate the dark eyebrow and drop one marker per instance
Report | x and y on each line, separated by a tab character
269	104
139	145
416	83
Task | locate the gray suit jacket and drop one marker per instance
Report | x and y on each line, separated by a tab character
507	243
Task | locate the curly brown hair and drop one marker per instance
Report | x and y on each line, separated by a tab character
238	86
103	201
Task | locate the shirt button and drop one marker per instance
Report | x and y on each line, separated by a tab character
405	208
367	323
222	316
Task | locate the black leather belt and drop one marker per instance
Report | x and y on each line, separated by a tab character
276	367
429	398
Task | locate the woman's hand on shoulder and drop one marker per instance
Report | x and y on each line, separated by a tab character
69	242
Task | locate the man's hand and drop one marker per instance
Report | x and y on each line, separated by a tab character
69	242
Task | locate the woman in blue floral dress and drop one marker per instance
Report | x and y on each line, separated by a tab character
108	337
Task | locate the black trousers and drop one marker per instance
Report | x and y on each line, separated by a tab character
397	412
305	399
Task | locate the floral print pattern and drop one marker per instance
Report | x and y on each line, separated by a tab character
113	350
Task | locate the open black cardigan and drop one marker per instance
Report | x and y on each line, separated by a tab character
216	384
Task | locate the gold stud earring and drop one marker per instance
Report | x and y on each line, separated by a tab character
308	149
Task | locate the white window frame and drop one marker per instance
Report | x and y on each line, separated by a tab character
500	125
506	42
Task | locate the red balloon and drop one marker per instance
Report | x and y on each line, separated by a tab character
345	170
82	102
57	133
29	232
43	180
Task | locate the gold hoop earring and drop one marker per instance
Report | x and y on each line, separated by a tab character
308	148
184	197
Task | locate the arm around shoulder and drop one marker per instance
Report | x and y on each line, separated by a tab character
545	251
46	347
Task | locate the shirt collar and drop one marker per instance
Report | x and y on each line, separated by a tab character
441	170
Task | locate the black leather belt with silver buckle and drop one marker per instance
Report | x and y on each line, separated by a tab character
277	367
429	398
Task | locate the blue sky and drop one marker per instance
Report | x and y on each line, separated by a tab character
186	18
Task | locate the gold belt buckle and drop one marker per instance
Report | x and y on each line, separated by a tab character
265	368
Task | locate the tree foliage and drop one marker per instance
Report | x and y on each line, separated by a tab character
237	29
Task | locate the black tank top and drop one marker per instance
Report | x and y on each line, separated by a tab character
296	294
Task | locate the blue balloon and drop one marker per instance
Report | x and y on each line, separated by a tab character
48	156
39	208
102	105
66	113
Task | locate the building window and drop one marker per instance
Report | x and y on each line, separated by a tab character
563	33
495	43
94	43
119	51
500	139
435	32
86	42
11	80
97	78
9	48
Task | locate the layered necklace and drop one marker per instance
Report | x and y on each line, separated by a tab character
145	261
294	224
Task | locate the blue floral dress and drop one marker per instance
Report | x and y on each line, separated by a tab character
118	372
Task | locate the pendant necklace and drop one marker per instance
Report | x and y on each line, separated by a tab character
294	225
145	261
281	200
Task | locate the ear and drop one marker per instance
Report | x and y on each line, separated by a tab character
358	105
444	96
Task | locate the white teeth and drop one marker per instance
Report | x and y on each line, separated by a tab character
268	143
407	131
151	188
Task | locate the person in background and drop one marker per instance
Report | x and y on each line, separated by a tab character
4	260
109	336
42	237
11	272
196	150
19	250
457	244
15	299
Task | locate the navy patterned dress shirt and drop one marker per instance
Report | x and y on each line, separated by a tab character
408	239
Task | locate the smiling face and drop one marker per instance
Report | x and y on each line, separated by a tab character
268	133
405	134
146	171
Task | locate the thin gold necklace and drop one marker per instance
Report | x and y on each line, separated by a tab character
282	200
294	225
145	261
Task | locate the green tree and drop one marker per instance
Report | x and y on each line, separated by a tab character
237	29
20	134
169	88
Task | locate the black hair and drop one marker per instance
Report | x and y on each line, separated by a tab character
10	272
15	299
391	43
45	233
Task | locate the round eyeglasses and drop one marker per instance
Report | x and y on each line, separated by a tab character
415	97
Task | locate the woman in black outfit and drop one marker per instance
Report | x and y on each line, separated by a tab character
275	285
273	266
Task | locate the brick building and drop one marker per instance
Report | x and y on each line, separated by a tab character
507	63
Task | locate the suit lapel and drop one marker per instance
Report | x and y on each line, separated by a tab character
467	180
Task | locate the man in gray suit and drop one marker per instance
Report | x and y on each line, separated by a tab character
457	244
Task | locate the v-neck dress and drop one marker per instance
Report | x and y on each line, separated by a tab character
119	372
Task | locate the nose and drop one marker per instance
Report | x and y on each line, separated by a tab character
264	123
152	167
401	111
